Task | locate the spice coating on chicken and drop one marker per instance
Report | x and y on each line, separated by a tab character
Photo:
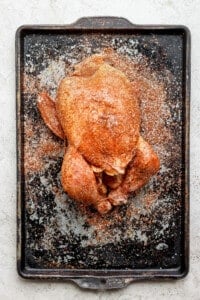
97	111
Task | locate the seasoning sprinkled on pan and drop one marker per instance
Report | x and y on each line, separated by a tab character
97	110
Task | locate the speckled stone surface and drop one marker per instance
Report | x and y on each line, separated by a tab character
61	12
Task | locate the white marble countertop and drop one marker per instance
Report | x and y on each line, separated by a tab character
12	15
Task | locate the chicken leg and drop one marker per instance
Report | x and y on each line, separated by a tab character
78	180
144	165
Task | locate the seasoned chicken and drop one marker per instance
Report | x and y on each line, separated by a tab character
97	111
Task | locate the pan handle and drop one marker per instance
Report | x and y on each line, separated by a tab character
103	22
102	283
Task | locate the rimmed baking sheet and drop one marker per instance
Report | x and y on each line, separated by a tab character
148	237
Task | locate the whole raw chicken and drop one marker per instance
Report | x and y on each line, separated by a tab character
97	111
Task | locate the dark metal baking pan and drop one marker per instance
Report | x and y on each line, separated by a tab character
148	238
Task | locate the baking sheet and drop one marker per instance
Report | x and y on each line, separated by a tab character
148	237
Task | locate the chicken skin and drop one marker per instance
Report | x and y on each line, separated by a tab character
97	111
